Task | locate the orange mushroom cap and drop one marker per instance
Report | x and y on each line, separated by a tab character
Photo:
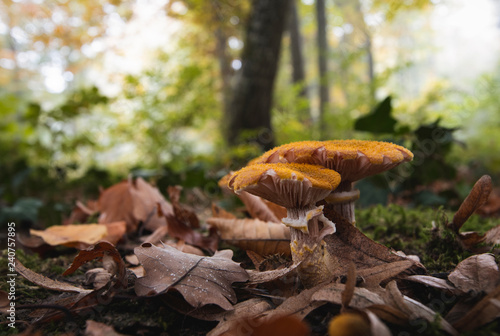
353	159
290	185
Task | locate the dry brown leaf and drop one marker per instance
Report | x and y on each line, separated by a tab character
71	235
246	309
94	328
278	325
264	238
183	213
412	308
361	297
485	311
476	198
115	204
350	285
373	276
47	283
433	282
348	244
257	277
201	280
218	212
146	200
112	261
257	208
476	273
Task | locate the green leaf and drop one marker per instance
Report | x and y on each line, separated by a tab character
379	120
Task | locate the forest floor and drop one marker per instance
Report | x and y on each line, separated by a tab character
419	231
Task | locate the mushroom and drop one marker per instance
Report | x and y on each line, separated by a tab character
297	187
352	159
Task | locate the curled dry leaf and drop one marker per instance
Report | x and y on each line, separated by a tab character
373	276
257	208
264	238
476	273
476	198
112	261
200	280
115	204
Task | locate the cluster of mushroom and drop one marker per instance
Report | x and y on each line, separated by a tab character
299	175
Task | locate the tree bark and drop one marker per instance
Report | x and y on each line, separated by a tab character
324	97
298	72
250	106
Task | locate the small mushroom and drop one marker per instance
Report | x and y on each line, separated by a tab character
297	187
352	159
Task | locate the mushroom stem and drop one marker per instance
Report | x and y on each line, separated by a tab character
309	249
343	199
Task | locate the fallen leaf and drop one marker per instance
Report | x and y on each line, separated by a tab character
246	309
94	328
256	277
112	261
373	276
201	280
257	208
264	238
115	204
218	212
433	282
485	311
278	325
412	308
377	327
47	283
71	235
183	213
146	200
348	244
279	211
476	273
97	277
476	198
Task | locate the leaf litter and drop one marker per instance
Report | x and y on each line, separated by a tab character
366	284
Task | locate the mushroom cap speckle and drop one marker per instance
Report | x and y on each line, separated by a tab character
353	159
290	185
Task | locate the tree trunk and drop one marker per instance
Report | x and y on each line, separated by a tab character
250	107
324	97
298	72
226	71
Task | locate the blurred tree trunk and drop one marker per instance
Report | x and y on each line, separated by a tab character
368	49
298	72
226	71
298	68
324	97
250	106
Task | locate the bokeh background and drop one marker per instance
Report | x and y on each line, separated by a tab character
92	91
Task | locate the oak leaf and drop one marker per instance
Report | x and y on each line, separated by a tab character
200	280
264	238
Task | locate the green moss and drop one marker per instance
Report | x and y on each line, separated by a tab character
420	231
